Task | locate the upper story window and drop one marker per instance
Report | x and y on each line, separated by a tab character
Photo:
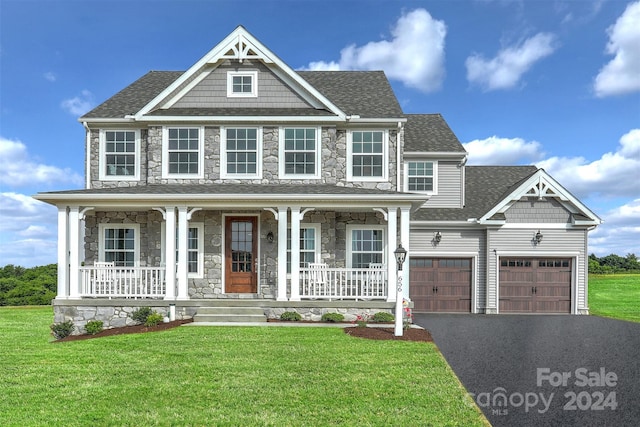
241	152
420	176
182	153
242	84
299	153
119	155
367	156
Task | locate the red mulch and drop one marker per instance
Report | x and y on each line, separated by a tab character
133	329
412	334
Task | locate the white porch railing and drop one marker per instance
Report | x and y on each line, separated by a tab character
122	282
322	282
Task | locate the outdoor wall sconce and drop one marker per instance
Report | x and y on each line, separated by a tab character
538	237
270	237
437	237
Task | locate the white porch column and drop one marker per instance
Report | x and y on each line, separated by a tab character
392	244
183	250
63	253
74	252
282	253
170	252
295	253
405	240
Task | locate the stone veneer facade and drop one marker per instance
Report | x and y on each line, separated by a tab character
333	160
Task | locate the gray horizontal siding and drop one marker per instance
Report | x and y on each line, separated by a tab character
449	187
555	243
454	244
212	91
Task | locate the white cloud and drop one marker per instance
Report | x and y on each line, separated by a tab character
18	169
414	55
620	233
615	174
505	71
78	105
503	151
28	231
49	76
622	74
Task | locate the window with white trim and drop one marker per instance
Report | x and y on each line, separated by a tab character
241	152
309	245
119	154
195	248
367	155
299	153
365	245
242	84
119	243
420	176
182	152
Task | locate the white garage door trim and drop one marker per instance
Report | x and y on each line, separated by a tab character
574	256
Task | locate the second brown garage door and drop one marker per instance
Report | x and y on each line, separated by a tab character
535	285
440	284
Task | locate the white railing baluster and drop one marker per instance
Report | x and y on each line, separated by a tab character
343	283
122	282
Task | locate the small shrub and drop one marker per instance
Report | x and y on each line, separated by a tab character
362	320
64	329
332	317
140	315
153	319
93	326
382	317
291	316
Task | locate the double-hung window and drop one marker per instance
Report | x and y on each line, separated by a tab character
242	152
119	243
367	156
242	84
309	245
195	248
420	176
299	153
182	152
120	151
365	245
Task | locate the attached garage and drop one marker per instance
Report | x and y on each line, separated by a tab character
440	284
535	285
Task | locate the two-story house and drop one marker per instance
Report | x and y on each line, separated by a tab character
242	183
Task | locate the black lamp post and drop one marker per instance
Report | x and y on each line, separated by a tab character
401	254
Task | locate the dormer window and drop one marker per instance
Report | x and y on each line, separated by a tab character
242	84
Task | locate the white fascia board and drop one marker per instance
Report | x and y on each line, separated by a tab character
373	120
435	154
118	120
238	119
444	224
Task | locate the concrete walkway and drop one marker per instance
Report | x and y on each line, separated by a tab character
539	370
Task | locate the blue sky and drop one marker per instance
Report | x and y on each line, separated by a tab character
550	83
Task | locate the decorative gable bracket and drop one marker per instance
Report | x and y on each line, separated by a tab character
544	188
242	49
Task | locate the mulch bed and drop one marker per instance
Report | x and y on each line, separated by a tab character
412	334
133	329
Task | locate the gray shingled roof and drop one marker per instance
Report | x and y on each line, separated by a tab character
486	186
429	132
227	189
364	93
135	96
231	112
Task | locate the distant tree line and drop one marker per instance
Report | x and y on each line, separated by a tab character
28	286
614	264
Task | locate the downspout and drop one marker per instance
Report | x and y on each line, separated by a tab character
463	183
87	164
399	166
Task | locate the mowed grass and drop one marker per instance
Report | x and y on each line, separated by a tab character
615	295
234	376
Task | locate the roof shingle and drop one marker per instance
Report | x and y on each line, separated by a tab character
430	132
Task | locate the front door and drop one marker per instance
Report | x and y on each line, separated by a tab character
241	254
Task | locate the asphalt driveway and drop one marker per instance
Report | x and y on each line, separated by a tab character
544	370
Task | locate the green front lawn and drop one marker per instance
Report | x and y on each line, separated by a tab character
236	376
615	295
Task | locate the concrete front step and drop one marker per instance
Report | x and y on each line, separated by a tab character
229	314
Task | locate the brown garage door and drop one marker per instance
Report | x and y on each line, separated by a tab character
440	284
535	285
